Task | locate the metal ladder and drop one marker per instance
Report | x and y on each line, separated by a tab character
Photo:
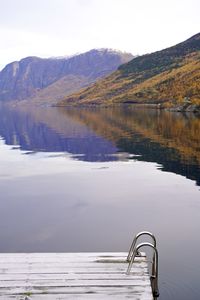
134	251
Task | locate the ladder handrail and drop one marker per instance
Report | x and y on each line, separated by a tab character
135	241
154	275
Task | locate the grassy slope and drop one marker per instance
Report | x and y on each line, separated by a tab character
164	76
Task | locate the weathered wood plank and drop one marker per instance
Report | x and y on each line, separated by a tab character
67	270
72	276
68	256
113	290
95	264
75	282
75	296
56	258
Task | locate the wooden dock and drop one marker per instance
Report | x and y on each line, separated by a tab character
53	276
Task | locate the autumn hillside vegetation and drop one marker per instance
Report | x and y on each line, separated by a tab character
165	78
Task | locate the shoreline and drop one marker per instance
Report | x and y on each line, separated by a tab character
191	108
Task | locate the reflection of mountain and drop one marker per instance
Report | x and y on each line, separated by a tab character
170	139
44	130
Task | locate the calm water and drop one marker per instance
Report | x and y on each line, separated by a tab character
88	180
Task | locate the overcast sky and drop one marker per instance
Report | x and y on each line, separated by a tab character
63	27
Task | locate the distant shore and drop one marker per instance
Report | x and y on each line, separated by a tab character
193	108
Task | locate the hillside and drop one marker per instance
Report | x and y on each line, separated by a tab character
47	80
164	77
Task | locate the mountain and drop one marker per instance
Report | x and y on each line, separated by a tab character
47	80
168	77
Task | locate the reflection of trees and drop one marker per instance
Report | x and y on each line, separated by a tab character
172	130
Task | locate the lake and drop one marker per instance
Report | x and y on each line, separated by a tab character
75	180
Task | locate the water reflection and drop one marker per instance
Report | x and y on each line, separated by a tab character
108	134
170	139
46	130
87	180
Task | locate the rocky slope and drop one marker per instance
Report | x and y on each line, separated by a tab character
47	80
170	77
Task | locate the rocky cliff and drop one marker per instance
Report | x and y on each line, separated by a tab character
49	79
